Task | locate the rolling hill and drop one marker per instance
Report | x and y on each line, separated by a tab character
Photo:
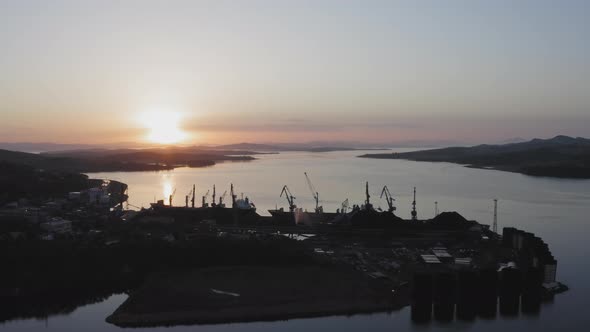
560	156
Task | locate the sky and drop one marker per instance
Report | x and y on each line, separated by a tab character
290	71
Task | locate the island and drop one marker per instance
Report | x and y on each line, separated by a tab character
560	157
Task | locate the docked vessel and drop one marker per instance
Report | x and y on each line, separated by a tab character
242	210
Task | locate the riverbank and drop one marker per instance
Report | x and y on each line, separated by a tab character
243	294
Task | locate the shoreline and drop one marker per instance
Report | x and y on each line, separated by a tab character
260	314
265	294
500	168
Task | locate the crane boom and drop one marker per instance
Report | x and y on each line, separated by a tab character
233	196
388	198
290	198
314	193
172	197
344	206
186	198
205	199
368	204
193	199
221	198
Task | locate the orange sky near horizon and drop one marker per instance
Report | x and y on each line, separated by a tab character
267	71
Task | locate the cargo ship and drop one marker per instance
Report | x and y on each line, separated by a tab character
242	210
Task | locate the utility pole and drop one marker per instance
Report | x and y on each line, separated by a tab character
435	209
495	226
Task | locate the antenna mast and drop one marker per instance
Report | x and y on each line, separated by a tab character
495	226
414	213
193	199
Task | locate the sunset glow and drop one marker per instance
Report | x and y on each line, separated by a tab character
164	127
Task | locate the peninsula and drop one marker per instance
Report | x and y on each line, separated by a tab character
561	157
124	160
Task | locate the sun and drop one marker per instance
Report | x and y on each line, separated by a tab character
163	126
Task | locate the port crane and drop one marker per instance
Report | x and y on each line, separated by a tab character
171	197
193	198
213	203
290	198
344	208
204	203
368	204
221	198
186	198
315	194
388	198
233	196
414	213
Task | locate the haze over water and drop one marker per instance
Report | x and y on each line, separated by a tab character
556	210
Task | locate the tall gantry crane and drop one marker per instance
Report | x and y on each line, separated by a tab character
388	198
290	198
193	198
171	197
344	206
221	198
204	203
368	204
314	193
233	196
414	212
186	198
213	202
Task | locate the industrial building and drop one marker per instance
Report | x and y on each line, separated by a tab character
533	252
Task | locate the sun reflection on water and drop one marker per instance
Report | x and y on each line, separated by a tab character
167	187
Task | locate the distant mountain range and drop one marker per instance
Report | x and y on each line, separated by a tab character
307	147
314	146
37	147
560	156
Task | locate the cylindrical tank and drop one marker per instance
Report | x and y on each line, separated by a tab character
422	287
467	295
510	290
444	296
487	289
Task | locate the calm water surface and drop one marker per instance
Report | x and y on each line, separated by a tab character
556	210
